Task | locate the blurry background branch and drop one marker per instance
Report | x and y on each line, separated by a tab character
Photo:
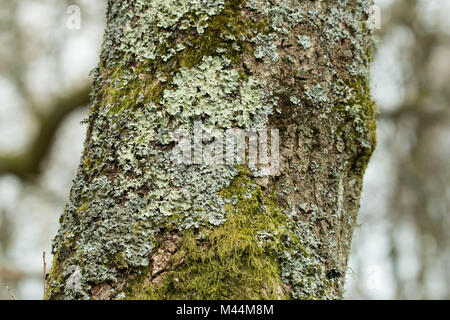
28	163
44	90
407	190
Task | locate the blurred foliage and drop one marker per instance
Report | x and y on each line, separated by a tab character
411	83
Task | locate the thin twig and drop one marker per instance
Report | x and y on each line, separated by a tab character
11	293
44	280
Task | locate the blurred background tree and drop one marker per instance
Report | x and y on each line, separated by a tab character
401	247
44	90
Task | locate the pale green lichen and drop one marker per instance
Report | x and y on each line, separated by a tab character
137	190
304	41
202	92
282	15
154	23
356	20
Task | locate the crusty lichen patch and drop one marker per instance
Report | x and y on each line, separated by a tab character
236	260
128	187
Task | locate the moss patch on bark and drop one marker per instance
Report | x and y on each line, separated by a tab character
236	260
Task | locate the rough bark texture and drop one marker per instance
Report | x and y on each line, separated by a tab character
139	227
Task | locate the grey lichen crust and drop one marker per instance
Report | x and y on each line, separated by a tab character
155	22
299	66
118	216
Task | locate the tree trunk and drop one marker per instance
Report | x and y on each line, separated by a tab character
141	225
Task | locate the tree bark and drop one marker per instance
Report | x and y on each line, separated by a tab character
140	226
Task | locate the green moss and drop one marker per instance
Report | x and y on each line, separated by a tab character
83	207
231	261
360	108
227	31
131	87
120	261
56	276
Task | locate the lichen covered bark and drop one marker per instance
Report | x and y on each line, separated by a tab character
138	226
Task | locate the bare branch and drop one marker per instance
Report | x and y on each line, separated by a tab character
44	280
11	293
28	163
